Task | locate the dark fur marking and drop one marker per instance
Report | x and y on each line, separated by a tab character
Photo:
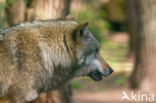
64	39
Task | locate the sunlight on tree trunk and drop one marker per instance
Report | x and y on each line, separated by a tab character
144	74
47	9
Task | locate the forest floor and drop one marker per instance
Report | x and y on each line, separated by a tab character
109	90
115	51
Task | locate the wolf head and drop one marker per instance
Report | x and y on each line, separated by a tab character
88	56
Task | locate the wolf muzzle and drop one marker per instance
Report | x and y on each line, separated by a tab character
97	75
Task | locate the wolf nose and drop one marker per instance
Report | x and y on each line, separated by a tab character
108	72
111	71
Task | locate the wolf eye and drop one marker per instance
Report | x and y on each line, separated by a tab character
97	50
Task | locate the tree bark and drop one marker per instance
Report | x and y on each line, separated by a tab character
47	9
144	74
15	12
132	23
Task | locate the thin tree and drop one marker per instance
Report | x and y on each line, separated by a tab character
132	20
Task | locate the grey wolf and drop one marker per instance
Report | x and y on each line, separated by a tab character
43	55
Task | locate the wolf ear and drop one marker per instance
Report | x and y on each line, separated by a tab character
82	30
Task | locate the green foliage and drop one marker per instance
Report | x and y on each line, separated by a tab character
102	13
26	1
114	52
122	2
97	24
2	19
8	2
100	89
120	80
76	86
1	7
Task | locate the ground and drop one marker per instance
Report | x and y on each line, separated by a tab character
111	96
108	90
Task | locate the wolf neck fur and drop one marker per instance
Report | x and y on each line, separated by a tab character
60	60
57	55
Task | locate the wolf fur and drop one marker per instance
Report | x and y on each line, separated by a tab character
43	55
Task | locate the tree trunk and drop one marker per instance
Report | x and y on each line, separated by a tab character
144	74
132	22
47	9
15	12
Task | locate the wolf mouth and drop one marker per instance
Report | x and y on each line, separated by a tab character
95	75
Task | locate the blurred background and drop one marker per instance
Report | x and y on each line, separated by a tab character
126	31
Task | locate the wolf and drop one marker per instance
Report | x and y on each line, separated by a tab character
39	56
